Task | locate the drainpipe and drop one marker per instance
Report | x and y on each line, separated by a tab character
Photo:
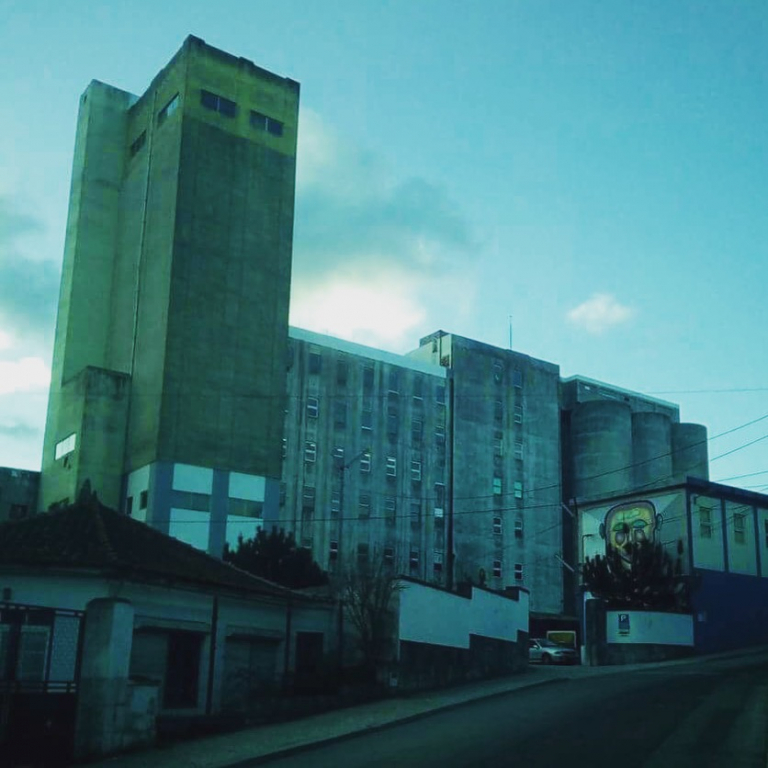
212	655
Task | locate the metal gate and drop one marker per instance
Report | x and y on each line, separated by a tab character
40	652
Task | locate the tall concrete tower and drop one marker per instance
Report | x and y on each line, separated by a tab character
168	378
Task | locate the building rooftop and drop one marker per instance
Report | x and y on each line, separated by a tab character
88	535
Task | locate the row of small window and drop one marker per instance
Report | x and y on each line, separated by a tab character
498	485
498	527
498	412
394	379
215	103
228	108
739	526
498	446
364	462
498	375
309	495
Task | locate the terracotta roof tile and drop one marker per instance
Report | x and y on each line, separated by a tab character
90	535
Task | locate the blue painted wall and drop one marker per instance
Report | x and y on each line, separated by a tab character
735	609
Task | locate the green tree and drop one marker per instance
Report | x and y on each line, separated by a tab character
276	556
654	579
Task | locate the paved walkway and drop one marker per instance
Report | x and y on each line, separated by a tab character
268	741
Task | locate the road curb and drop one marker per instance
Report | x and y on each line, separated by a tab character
298	748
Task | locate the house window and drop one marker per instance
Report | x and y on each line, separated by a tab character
498	372
65	446
518	571
437	561
310	452
498	410
367	379
497	569
199	502
416	471
417	429
138	143
365	463
518	489
364	504
440	394
342	373
129	506
394	380
168	110
517	379
313	407
705	522
740	528
518	529
497	525
333	550
338	456
362	553
315	363
391	466
390	508
366	419
440	435
182	671
416	514
389	555
497	485
518	414
143	499
418	388
392	421
265	123
217	103
518	451
339	414
498	447
308	499
439	499
413	559
335	503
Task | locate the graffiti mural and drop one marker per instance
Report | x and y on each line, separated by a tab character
629	523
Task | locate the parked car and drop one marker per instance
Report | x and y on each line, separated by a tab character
543	651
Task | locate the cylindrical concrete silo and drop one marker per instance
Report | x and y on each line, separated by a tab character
651	449
601	438
690	457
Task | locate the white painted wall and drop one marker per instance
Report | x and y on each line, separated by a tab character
138	481
431	615
651	627
250	487
193	479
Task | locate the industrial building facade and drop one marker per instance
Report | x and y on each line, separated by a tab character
180	393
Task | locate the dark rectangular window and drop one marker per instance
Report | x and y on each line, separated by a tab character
265	123
182	670
362	553
143	498
245	508
367	380
200	502
168	110
342	373
138	143
217	103
418	388
339	414
315	362
440	395
313	407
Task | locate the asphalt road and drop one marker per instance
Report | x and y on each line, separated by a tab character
705	714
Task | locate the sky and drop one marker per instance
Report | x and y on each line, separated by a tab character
587	179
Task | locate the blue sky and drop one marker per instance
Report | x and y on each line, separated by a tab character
596	171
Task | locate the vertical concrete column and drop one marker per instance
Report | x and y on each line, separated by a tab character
103	702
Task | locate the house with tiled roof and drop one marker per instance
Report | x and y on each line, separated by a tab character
181	632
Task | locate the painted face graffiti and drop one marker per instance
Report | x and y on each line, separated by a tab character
629	523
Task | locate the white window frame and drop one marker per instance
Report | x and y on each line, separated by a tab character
313	407
310	452
391	466
65	447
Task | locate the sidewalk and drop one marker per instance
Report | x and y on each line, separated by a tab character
266	742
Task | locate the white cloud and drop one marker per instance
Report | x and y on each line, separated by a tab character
25	375
376	258
6	341
599	313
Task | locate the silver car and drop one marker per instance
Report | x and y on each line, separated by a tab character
543	651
